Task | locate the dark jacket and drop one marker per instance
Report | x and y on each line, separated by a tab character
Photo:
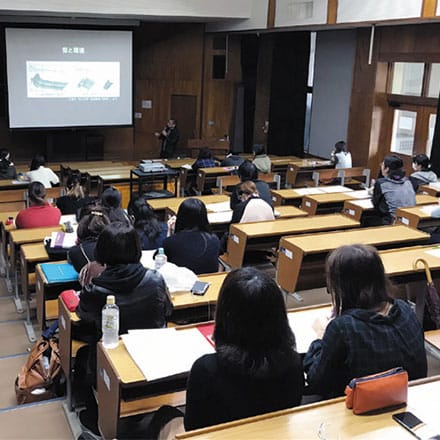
263	191
391	193
232	160
140	294
362	342
169	142
7	170
81	254
218	392
149	244
71	205
195	250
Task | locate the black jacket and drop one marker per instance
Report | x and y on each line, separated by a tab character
81	254
218	392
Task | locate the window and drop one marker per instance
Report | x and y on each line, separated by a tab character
413	91
404	128
408	79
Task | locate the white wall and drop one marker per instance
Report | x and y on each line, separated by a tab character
334	61
257	20
300	12
133	8
376	10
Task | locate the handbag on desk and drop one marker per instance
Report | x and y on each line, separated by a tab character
377	391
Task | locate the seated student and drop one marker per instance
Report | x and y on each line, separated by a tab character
111	200
7	168
256	368
91	224
392	191
248	171
232	160
340	156
40	173
204	159
141	295
39	213
261	159
75	197
192	245
370	333
151	231
252	208
422	171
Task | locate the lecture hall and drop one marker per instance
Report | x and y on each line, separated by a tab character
219	219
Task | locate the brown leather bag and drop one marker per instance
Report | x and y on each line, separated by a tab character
381	390
40	375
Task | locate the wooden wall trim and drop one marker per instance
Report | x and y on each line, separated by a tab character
271	10
429	8
332	11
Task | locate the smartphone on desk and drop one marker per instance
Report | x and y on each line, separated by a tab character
415	426
199	288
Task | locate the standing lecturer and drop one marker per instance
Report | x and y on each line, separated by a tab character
169	137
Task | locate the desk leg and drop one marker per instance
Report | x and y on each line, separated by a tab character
65	343
14	270
24	288
109	395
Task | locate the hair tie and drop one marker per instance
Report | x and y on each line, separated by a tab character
98	213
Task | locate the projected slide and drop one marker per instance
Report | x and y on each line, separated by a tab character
72	79
69	78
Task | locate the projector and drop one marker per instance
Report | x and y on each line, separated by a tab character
150	166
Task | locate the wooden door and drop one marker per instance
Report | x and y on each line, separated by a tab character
184	110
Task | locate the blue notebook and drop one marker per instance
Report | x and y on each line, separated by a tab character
59	272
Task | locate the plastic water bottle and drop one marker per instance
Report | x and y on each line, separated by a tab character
110	323
160	259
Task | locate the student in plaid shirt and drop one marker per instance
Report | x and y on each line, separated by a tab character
370	333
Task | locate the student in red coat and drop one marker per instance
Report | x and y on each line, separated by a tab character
39	213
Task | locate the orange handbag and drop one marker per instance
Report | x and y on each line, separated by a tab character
377	391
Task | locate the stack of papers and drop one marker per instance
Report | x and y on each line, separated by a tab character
219	207
165	352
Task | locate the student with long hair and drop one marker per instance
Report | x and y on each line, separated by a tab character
7	168
91	224
340	156
40	213
256	368
371	332
75	197
151	231
192	245
40	173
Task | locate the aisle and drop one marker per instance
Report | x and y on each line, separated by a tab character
43	420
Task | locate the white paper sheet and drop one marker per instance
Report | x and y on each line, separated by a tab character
427	209
362	194
147	259
220	217
303	325
434	252
364	203
308	191
219	207
165	352
335	189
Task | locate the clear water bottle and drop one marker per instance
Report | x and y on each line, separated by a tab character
110	323
160	259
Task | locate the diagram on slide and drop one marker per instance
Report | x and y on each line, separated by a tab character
73	79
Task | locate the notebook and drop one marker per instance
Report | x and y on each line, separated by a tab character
59	272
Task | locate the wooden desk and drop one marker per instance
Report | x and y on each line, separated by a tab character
118	372
330	416
433	189
358	209
301	171
327	203
4	229
263	235
47	295
301	259
417	216
9	185
207	177
295	196
178	163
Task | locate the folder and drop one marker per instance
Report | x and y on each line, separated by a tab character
59	272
